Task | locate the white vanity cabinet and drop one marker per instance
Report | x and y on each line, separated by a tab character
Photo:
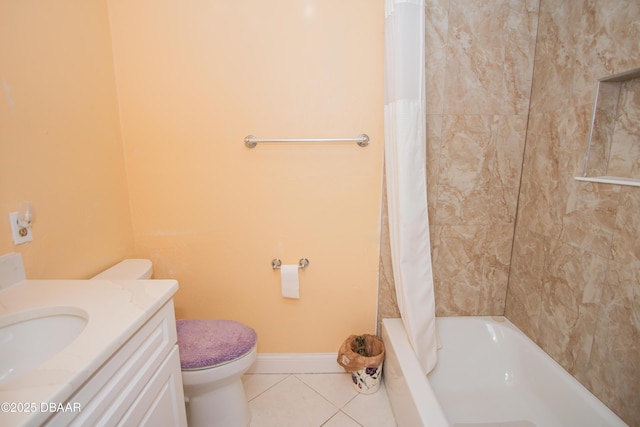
140	385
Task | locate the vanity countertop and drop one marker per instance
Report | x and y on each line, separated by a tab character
115	310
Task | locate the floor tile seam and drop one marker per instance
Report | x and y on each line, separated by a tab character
353	398
336	409
351	418
350	400
330	417
320	394
343	409
340	408
270	387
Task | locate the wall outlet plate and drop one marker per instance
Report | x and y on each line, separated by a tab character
19	234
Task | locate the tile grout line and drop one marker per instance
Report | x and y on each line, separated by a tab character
343	413
323	398
337	409
340	408
268	388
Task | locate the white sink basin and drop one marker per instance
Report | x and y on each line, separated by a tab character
30	338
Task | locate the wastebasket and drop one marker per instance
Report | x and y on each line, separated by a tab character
363	357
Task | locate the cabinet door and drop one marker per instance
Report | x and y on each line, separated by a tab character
108	394
161	403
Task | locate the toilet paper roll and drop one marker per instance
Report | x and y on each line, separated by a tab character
289	281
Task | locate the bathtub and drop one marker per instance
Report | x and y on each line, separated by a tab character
489	374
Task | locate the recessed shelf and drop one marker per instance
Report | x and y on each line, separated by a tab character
613	152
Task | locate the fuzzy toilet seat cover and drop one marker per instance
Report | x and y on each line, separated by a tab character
207	343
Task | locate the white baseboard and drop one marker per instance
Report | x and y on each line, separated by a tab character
296	363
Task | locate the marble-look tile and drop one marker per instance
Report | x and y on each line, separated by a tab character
479	169
565	291
602	128
553	59
387	301
495	261
543	193
490	54
471	268
571	292
434	149
614	367
589	217
509	136
573	271
625	248
577	138
463	174
519	38
524	295
479	61
457	277
436	38
602	41
624	157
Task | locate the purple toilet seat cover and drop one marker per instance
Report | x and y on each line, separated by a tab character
206	343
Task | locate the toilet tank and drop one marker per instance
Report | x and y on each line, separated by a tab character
129	269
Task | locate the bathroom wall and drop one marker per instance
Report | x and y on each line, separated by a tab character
193	80
576	260
60	142
479	67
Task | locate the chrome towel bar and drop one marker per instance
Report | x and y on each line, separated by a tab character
362	140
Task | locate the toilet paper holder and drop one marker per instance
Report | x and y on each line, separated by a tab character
302	264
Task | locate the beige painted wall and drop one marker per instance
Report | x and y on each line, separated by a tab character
193	80
60	144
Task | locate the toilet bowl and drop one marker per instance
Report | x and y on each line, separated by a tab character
214	354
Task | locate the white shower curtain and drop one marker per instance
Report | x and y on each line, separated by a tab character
405	162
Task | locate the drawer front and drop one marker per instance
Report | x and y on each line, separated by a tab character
161	403
109	393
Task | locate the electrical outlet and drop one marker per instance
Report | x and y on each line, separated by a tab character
20	234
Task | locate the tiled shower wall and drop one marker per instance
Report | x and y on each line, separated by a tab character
574	286
479	65
574	276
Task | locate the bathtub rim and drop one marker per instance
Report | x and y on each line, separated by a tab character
406	408
434	416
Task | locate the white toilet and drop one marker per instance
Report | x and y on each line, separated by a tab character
214	355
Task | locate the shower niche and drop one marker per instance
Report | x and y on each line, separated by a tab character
613	152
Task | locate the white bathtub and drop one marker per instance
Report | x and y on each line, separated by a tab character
489	374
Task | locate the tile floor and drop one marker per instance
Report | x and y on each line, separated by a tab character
314	400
